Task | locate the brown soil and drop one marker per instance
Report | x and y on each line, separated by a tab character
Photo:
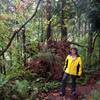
83	93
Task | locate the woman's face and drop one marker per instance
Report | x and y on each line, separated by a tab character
73	51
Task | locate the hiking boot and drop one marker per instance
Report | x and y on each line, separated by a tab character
73	93
62	94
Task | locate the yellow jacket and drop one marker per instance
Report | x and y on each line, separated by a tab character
73	67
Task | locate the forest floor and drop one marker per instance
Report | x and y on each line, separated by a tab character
83	93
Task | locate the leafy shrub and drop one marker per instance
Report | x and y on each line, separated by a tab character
51	85
45	87
6	89
96	94
14	74
22	87
3	80
48	57
84	79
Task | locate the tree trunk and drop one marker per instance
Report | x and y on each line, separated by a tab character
63	27
90	47
42	27
2	64
85	27
24	46
4	68
79	23
99	48
49	16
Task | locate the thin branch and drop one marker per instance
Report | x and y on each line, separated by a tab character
74	43
16	32
74	4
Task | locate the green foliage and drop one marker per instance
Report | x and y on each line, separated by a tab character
78	14
15	73
45	87
83	80
23	84
52	85
3	80
95	94
98	82
48	56
22	87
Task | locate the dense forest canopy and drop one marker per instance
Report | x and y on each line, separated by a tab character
35	33
54	19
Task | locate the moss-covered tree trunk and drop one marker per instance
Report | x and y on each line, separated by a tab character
24	46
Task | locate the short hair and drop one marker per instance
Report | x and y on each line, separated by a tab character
74	48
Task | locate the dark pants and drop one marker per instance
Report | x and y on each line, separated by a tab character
64	82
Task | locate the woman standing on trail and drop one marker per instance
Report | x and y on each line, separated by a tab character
73	67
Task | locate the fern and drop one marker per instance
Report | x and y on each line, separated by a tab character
22	87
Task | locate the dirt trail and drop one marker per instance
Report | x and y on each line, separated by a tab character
83	93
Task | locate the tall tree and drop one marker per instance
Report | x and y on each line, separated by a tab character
49	16
63	27
94	21
24	46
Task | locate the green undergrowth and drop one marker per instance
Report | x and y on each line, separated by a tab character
25	85
22	85
95	94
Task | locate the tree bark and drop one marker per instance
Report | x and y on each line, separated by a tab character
63	27
2	65
99	49
90	46
49	16
24	46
